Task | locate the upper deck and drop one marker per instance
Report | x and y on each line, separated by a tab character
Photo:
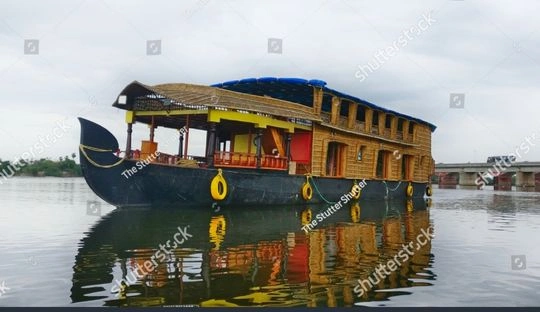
273	122
301	101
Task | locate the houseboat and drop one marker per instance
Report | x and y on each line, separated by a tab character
269	141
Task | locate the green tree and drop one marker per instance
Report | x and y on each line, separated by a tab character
46	167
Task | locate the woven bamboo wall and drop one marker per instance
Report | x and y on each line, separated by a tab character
366	167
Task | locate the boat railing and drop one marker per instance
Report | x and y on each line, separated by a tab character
247	160
325	117
182	161
343	122
167	159
360	126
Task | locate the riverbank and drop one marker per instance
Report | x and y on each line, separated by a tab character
64	167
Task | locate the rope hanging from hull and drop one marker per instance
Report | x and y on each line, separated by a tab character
391	190
83	149
317	190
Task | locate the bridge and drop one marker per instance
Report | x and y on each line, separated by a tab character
474	175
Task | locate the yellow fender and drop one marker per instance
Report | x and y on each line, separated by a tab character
217	230
307	191
410	190
218	186
306	216
410	205
356	190
355	213
429	191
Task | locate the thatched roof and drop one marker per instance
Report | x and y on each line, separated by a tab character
181	96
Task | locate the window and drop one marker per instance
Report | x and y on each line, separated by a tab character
334	159
344	109
361	153
375	119
388	121
411	128
326	103
361	113
400	124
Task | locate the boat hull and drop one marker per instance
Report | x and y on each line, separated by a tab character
125	183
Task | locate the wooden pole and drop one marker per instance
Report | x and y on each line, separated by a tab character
211	145
187	138
128	143
288	147
152	130
258	137
180	144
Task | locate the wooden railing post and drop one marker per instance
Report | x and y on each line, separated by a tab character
405	130
258	138
382	123
181	145
353	110
288	147
317	100
128	143
393	127
336	106
368	120
211	144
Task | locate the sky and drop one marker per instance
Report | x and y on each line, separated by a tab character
472	68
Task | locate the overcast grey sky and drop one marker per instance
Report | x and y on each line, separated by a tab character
89	50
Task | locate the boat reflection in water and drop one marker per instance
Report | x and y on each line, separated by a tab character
251	257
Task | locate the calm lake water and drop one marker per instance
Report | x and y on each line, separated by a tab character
62	246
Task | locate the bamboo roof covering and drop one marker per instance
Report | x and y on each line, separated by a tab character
181	96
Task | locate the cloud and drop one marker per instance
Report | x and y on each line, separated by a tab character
89	50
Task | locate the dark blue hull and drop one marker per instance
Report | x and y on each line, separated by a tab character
153	184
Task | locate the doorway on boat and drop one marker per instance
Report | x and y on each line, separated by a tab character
335	159
407	168
301	151
382	170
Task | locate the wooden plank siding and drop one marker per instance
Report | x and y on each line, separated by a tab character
365	168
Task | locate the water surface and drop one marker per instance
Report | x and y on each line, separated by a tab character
62	246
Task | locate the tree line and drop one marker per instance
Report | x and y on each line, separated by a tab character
63	167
